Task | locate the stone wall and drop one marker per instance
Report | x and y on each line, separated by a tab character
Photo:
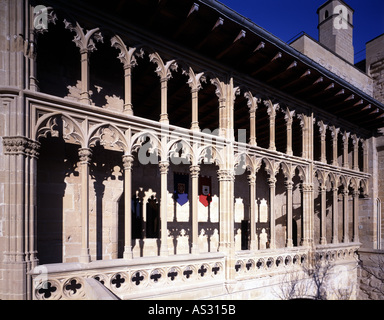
334	63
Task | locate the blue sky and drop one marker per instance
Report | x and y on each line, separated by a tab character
286	18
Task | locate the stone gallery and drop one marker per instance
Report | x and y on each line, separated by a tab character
168	149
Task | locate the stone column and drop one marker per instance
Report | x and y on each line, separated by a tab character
195	170
252	105
289	186
323	223
356	195
127	162
164	72
194	82
272	193
85	155
252	199
335	215
128	59
272	108
289	120
345	149
345	216
307	189
323	134
86	44
355	141
226	179
227	236
365	155
164	167
19	216
335	133
304	119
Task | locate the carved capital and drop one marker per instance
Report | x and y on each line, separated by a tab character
252	101
127	162
127	56
84	40
252	179
322	128
164	167
289	116
289	184
346	137
220	89
163	70
272	182
195	171
19	145
194	80
272	108
85	155
334	132
226	175
307	187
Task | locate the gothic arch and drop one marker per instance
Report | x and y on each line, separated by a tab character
140	138
345	180
113	138
174	147
211	153
243	161
334	179
322	176
302	173
71	129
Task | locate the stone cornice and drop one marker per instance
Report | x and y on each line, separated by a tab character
19	145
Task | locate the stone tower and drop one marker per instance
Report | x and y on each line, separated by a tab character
336	28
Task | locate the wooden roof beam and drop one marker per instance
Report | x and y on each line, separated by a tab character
240	36
317	82
290	68
219	23
188	20
273	60
294	82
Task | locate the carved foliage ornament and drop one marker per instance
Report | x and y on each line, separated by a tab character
84	40
21	146
127	56
163	70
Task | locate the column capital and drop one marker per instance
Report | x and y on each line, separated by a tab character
306	187
289	184
195	171
85	155
272	181
323	188
226	175
127	162
164	167
84	41
252	179
19	145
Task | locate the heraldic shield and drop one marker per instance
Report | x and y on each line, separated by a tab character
205	187
181	186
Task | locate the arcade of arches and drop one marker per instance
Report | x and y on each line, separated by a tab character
277	175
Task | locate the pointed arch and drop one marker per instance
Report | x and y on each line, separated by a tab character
174	147
144	137
211	154
108	135
243	161
302	173
71	129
